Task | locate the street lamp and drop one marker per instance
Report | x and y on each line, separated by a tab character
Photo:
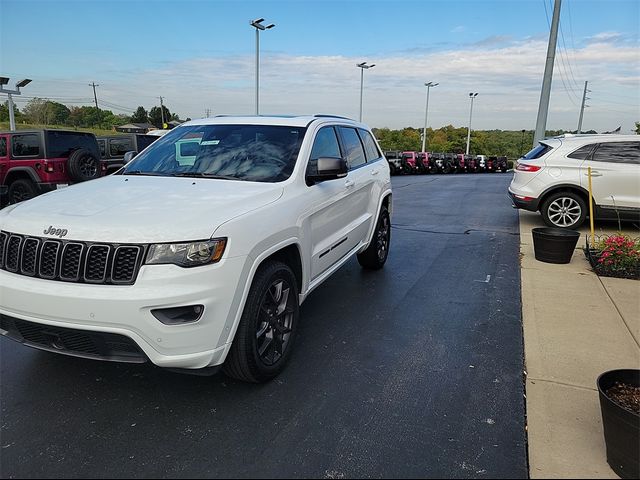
363	66
522	142
19	85
471	96
257	24
426	110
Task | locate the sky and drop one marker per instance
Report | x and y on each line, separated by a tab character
199	55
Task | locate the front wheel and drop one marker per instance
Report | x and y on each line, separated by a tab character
267	330
564	210
375	256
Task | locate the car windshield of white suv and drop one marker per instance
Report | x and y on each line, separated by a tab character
256	153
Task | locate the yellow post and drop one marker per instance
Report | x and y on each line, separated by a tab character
591	208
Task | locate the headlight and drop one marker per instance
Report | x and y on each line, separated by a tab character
189	254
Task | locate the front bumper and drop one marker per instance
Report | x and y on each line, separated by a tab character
97	310
523	202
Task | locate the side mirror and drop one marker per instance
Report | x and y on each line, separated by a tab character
129	156
326	168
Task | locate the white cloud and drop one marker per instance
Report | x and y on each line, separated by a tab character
508	79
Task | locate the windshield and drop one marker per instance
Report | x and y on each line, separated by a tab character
256	153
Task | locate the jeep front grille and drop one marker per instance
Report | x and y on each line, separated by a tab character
70	261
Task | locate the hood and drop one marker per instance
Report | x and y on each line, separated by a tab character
137	209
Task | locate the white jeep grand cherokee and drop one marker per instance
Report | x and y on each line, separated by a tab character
198	253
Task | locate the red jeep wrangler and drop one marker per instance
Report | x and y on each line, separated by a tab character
38	161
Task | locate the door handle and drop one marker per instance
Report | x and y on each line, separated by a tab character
375	172
349	183
594	173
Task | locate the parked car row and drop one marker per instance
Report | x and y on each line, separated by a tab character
427	162
33	162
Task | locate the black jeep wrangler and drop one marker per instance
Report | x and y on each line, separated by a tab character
113	148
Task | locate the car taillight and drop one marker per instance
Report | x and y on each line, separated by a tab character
524	167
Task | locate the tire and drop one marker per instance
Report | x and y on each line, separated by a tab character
375	256
564	210
21	190
392	169
83	166
446	169
245	362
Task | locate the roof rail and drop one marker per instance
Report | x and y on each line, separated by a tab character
320	115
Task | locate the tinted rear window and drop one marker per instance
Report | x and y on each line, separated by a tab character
61	144
618	152
144	141
583	152
537	152
27	145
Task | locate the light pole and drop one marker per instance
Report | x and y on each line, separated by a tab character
521	143
257	24
19	85
471	96
363	66
426	110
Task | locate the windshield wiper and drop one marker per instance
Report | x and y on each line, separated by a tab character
204	175
139	172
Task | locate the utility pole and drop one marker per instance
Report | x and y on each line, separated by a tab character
95	97
543	108
162	111
207	112
584	99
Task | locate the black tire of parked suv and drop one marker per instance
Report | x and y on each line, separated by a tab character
375	256
21	190
274	288
561	207
446	168
83	165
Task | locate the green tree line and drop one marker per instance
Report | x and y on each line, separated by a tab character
39	111
450	139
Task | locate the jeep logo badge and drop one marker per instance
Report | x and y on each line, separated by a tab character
58	232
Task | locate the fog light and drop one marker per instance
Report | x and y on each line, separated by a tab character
178	315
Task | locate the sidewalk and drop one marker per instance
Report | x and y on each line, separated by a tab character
576	326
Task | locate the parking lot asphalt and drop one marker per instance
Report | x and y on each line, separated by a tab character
412	371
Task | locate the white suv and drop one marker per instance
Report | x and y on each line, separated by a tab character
199	256
553	178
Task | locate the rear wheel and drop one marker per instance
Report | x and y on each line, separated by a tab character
21	190
267	330
375	256
564	210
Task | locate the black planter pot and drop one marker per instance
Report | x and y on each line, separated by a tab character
621	426
554	245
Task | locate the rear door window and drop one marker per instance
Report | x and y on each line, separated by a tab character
27	145
618	152
354	151
3	147
119	146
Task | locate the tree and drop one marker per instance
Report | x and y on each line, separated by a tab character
140	116
638	128
155	116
